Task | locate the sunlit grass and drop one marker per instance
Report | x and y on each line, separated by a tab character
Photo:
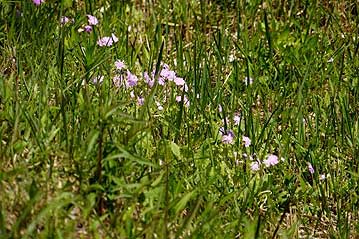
227	119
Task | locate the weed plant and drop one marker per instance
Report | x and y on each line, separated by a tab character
179	119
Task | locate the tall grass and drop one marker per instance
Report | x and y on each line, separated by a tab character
87	155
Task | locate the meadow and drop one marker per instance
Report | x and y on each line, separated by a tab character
179	119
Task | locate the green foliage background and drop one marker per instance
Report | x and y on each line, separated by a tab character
83	160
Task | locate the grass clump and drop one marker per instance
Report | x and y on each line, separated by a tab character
178	119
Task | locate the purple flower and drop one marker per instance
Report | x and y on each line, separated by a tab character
140	100
163	76
227	137
88	28
168	74
271	160
107	41
310	168
131	79
255	166
92	20
150	82
120	65
38	2
247	141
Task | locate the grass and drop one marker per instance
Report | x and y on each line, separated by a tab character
84	159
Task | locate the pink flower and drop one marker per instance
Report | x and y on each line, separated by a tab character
236	119
64	20
107	41
88	28
247	141
168	74
310	168
227	137
120	65
150	82
131	79
92	20
140	100
117	80
271	160
38	2
179	81
161	81
255	166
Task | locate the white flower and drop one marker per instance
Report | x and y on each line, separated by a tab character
98	79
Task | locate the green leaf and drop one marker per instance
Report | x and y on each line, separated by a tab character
175	150
93	139
127	155
33	190
67	3
158	180
184	200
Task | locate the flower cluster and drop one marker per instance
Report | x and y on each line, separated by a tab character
228	136
124	78
107	41
270	161
165	75
91	22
